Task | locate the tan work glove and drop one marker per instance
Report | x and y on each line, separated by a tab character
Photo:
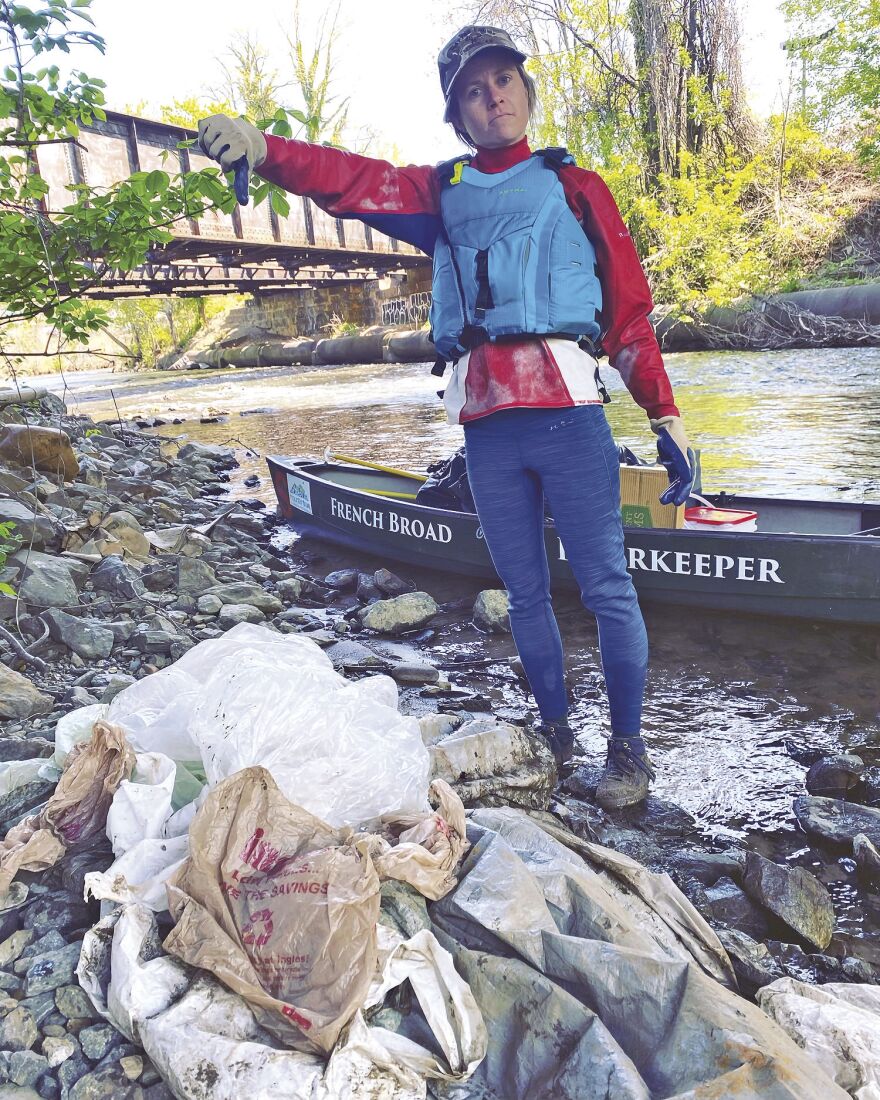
676	455
227	140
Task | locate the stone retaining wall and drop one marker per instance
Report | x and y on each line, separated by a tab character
311	311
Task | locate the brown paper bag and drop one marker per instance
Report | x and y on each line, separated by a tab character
280	907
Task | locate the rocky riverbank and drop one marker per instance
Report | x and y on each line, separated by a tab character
127	555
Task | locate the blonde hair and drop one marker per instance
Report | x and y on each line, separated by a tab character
454	114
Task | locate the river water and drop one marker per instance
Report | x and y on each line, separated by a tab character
725	693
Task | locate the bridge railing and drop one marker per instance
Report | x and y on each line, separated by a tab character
108	152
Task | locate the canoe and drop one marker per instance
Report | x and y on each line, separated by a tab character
808	559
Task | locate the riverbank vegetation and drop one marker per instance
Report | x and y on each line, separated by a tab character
650	93
721	204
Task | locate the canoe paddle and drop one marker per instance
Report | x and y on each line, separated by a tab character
328	457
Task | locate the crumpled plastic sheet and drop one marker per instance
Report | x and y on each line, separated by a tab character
339	749
837	1024
206	1043
594	980
76	810
492	763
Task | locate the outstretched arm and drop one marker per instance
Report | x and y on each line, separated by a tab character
402	202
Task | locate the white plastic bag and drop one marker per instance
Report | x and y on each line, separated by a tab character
142	804
838	1024
340	750
196	1032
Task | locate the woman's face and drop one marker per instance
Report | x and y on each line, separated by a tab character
492	100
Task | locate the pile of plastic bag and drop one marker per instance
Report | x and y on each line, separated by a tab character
326	933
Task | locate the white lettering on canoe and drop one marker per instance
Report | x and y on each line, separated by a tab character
415	528
684	563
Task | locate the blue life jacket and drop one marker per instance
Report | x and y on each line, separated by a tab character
512	258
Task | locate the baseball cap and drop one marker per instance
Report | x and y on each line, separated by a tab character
465	45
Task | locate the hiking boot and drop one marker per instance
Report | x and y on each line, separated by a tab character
560	739
627	776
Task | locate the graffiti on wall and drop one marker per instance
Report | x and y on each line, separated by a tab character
411	310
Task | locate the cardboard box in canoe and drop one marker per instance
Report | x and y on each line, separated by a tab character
640	489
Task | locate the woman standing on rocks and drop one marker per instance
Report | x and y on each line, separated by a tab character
533	268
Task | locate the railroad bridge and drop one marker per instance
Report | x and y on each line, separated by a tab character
251	250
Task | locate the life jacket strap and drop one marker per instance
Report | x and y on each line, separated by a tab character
484	290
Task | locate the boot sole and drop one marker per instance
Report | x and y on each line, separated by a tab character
620	803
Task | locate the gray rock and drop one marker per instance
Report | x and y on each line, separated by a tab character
14	1092
835	776
58	911
793	895
108	1083
114	576
753	963
24	798
195	576
52	970
349	653
708	867
837	821
731	906
410	672
52	941
48	581
47	531
343	580
210	605
78	697
122	629
24	748
19	698
367	590
9	983
41	1007
390	584
222	458
12	947
18	1030
402	613
73	1004
59	1049
86	637
866	855
98	1040
244	592
231	614
26	1068
290	589
119	681
491	612
71	1071
154	641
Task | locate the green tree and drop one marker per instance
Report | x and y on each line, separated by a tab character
249	85
50	259
835	51
324	116
188	112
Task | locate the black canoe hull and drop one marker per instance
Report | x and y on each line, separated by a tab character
831	577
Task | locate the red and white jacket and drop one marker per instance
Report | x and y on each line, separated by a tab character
533	373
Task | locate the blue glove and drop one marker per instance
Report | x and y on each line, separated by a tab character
678	458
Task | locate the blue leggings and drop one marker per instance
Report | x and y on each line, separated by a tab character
515	458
